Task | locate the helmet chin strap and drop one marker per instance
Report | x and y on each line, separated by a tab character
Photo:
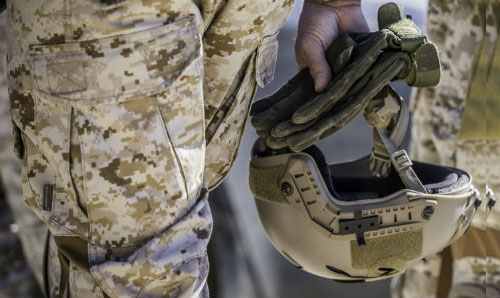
388	135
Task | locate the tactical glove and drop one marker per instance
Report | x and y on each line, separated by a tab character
281	105
296	117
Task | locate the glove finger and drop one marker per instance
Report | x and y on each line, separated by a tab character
342	115
264	104
388	14
275	143
360	37
287	127
329	132
267	102
267	119
346	111
302	147
305	138
262	133
339	52
284	109
311	142
341	83
338	55
264	111
384	61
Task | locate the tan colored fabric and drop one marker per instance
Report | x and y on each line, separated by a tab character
388	252
445	273
113	101
437	121
477	242
473	125
437	112
419	281
239	45
32	231
264	183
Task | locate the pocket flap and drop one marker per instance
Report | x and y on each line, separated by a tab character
267	53
113	69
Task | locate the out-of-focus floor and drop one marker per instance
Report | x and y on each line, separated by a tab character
271	274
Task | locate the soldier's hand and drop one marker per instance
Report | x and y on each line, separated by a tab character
319	25
362	64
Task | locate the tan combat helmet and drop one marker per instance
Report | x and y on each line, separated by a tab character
363	220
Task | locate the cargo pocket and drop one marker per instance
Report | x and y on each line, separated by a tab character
128	110
226	129
38	181
184	280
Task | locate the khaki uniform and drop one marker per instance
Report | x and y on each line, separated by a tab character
125	113
438	112
439	135
32	231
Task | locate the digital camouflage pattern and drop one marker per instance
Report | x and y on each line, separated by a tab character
122	110
438	111
455	27
477	275
492	275
411	283
240	52
18	280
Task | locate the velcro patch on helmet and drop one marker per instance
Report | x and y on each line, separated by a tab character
387	255
264	183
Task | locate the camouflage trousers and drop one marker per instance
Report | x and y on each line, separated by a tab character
31	230
124	114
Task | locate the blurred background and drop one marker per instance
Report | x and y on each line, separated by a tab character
243	262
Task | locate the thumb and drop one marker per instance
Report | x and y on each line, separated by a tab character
318	65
